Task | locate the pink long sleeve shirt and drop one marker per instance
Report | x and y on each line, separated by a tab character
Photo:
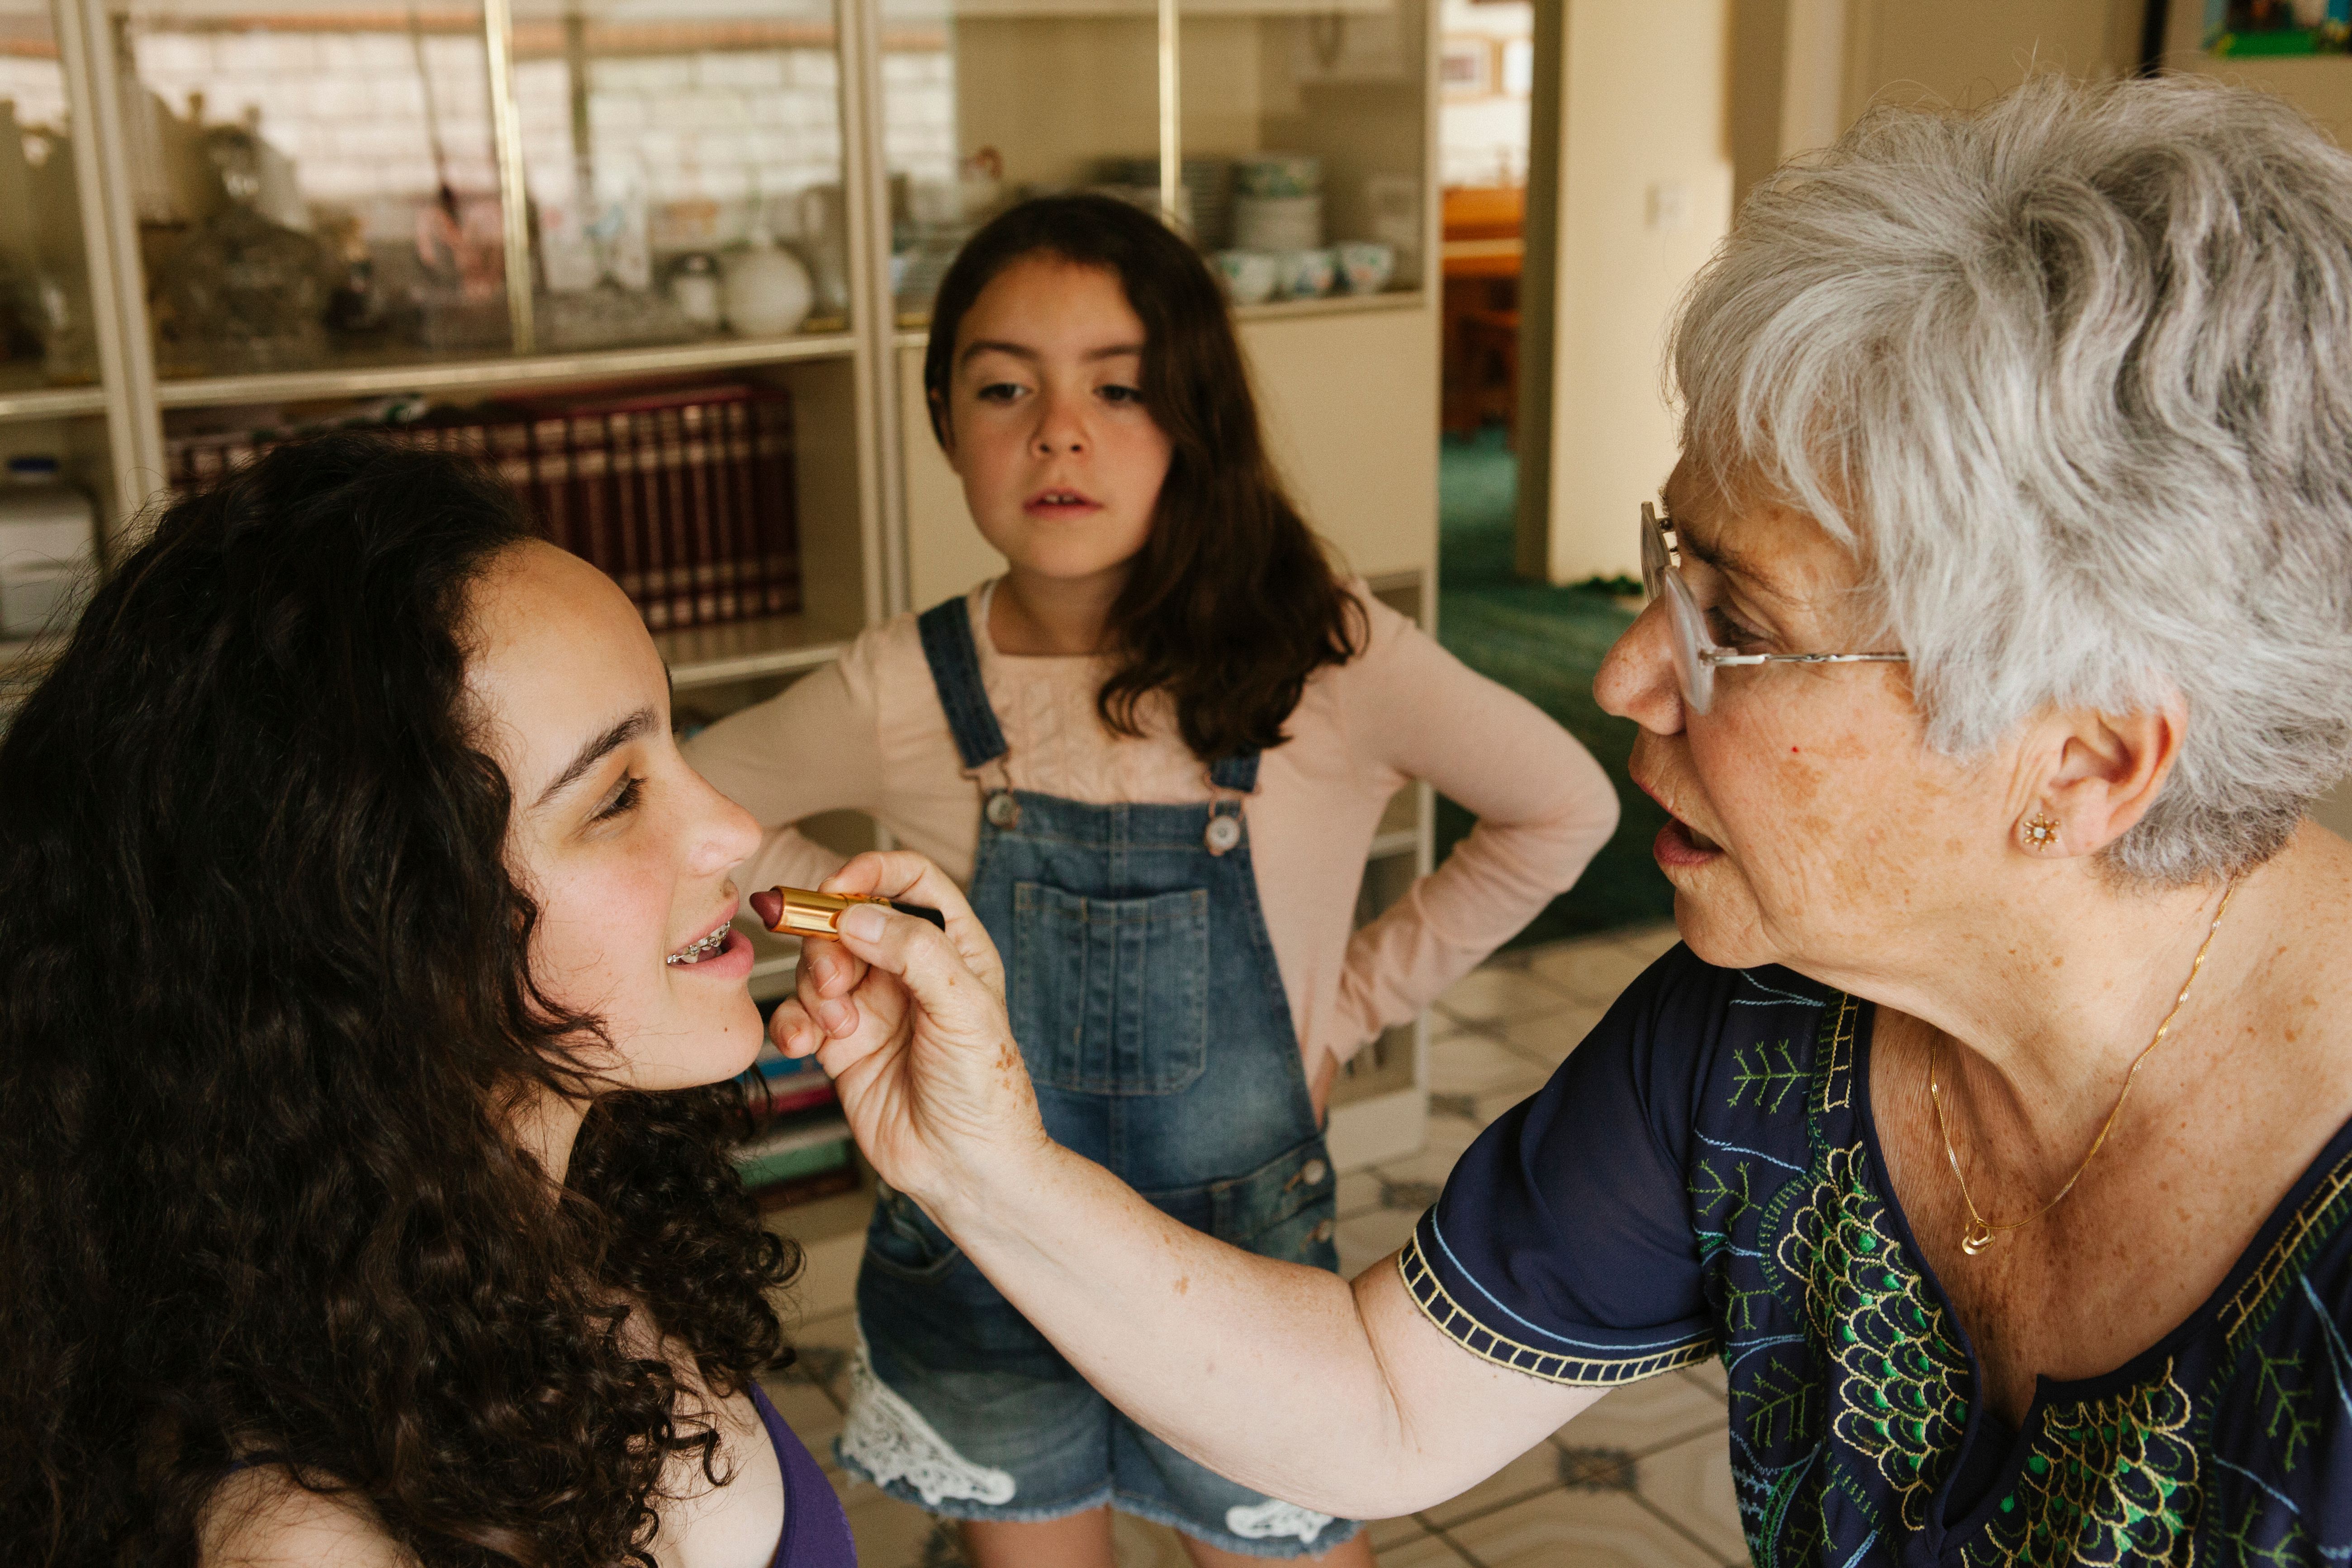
867	733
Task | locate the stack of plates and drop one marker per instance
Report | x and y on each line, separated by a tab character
1209	182
1204	198
1280	205
1278	222
1278	174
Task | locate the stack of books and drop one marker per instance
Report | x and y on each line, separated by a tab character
800	1146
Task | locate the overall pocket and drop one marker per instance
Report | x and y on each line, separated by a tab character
901	1240
1112	995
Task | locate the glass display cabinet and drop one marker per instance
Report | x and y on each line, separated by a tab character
315	187
1304	147
602	242
986	101
64	410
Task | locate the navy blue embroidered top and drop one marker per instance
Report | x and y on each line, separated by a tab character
1702	1178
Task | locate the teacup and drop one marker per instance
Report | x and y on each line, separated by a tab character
1368	266
1308	274
1250	276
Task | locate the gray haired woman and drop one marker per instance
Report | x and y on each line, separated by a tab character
1991	1126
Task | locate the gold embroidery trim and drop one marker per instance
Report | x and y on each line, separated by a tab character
1449	1318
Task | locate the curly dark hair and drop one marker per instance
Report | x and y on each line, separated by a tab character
1232	603
264	1006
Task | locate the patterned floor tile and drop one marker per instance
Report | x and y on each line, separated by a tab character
1494	993
1594	971
1485	1071
1690	1483
894	1534
829	1281
1447	1138
1425	1550
1643	1417
1408	1194
808	1410
1587	1528
821	1347
1388	1532
1533	1472
1360	1192
1367	1238
1142	1543
1546	1038
1650	942
1710	1375
1427	1169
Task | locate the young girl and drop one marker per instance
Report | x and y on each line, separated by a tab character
1155	752
369	970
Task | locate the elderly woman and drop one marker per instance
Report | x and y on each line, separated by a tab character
1991	1126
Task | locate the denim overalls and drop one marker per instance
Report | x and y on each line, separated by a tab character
1135	956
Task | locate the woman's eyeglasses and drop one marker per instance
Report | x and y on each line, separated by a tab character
1697	654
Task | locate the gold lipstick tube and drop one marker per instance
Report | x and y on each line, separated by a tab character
804	912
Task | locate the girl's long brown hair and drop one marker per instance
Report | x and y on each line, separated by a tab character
1232	603
264	987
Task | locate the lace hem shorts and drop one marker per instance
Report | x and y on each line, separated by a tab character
959	1406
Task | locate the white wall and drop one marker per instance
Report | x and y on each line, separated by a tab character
1640	179
1484	140
2333	811
1962	52
2321	86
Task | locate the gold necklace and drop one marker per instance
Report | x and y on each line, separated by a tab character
1981	1232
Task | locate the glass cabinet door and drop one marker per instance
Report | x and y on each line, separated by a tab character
316	185
986	101
1305	144
57	478
684	164
45	335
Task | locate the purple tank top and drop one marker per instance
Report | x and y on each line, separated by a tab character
816	1532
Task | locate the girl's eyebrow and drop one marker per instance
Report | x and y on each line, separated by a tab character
1020	352
598	747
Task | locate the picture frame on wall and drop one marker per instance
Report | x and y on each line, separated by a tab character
1466	66
1519	68
2248	28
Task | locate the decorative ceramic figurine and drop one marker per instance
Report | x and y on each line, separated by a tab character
242	292
767	290
694	289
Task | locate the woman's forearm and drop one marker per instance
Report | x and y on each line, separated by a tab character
1289	1380
1260	1370
1341	1398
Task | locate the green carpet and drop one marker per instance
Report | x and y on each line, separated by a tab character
1546	644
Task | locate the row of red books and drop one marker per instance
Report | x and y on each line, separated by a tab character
687	499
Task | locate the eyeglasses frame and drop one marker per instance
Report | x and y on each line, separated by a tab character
1698	656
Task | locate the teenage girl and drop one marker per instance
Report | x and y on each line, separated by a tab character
1155	752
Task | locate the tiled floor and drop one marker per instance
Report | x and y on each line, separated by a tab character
1642	1479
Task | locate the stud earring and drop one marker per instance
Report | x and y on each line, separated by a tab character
2040	832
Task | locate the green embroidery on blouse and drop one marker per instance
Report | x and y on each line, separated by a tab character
2107	1481
1901	1381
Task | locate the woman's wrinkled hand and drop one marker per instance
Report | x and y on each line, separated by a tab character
910	1021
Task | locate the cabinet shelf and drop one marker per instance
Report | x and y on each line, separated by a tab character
1332	305
49	402
774	645
914	332
506	370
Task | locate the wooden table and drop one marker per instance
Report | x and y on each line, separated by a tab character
1484	245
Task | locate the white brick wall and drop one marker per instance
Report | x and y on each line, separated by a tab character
37	88
919	135
713	125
